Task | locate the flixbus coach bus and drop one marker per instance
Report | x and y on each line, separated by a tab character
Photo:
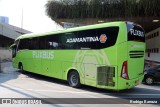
108	55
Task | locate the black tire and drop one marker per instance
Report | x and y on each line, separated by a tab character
73	79
21	68
149	80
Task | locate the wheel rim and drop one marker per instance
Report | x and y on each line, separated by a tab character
74	80
21	68
149	80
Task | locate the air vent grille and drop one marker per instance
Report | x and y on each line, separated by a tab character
105	75
136	54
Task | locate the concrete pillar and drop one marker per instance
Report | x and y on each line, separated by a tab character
0	65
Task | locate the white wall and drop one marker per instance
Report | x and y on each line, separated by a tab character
152	43
5	54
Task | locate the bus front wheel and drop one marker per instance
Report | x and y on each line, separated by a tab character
20	67
74	79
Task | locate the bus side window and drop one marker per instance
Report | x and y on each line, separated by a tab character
87	44
33	43
63	40
23	44
42	42
110	34
52	41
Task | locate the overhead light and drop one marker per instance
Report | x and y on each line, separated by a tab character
155	20
100	21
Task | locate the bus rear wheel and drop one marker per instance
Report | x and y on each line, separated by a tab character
74	79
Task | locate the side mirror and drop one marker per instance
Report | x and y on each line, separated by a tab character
12	46
10	49
13	50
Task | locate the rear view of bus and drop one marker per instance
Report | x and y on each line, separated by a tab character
132	69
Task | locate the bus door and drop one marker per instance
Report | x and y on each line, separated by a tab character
90	74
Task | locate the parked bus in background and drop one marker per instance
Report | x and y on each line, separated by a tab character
107	55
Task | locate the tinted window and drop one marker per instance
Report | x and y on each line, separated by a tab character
91	39
108	37
135	33
42	42
23	44
33	43
52	42
86	39
64	44
29	43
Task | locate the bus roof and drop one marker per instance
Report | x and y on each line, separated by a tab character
30	35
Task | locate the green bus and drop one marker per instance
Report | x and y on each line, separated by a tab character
108	55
